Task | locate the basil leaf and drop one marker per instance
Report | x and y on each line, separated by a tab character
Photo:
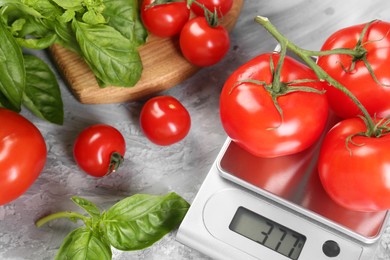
16	5
66	37
37	43
92	17
12	72
81	244
45	8
124	17
87	205
70	4
140	220
113	58
42	94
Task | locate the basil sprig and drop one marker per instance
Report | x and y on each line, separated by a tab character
105	33
133	223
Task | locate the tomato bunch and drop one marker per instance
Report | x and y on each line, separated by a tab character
267	109
354	158
203	42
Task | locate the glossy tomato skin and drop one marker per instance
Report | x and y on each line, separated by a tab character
164	20
356	179
203	45
251	119
374	97
164	120
22	155
94	146
221	6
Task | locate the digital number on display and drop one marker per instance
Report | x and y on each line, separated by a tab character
268	233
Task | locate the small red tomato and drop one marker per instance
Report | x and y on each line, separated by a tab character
164	120
166	19
202	44
221	6
22	155
99	150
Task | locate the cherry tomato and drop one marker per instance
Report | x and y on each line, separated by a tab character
373	95
221	6
22	155
202	44
164	120
356	174
164	20
250	117
99	150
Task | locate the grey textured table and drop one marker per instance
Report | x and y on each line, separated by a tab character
152	169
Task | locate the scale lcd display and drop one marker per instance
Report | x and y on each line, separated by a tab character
267	233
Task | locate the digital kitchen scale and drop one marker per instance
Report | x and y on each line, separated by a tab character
275	209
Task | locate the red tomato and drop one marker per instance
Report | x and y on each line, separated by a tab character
374	97
164	120
99	150
250	117
202	44
164	20
357	178
22	155
221	6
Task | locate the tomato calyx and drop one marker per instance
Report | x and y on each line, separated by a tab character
278	88
380	129
211	17
162	2
116	160
361	54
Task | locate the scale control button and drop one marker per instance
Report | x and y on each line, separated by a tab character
331	248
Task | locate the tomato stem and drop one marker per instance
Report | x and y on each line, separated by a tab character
63	214
211	17
307	57
116	160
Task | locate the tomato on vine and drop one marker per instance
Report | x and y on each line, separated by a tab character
164	120
354	166
99	150
366	74
164	18
221	7
204	42
272	115
22	155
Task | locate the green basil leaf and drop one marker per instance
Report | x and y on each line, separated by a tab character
113	59
92	17
70	4
34	27
42	94
45	8
83	243
124	17
37	43
140	220
12	72
13	5
87	205
66	37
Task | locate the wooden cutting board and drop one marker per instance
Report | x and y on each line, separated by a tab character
164	67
